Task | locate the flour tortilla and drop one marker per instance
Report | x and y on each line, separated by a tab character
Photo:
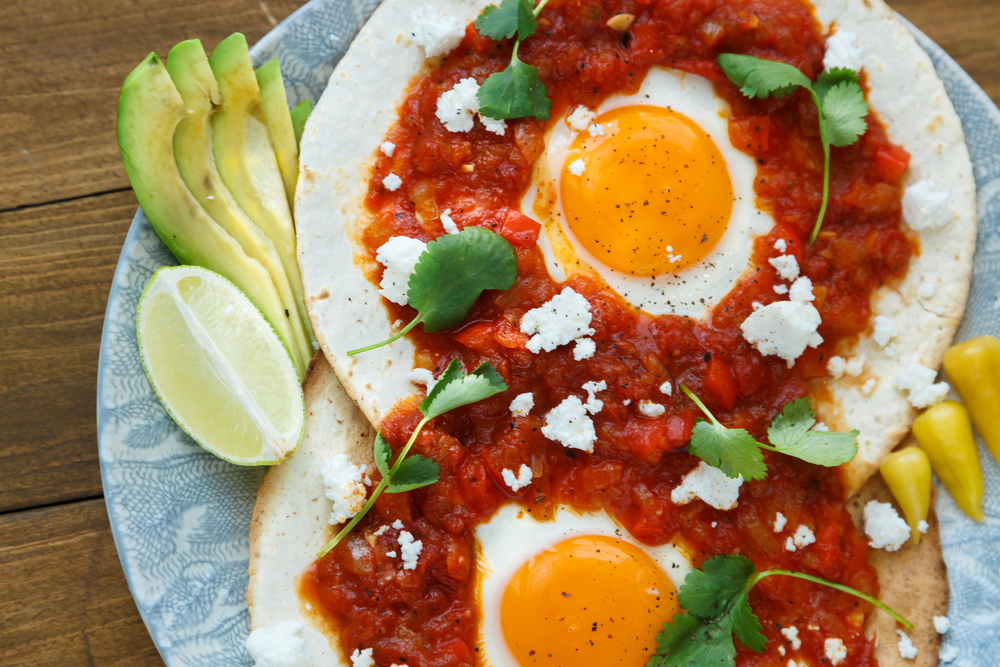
290	525
340	146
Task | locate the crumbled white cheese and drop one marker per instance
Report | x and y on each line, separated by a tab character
841	52
456	108
651	409
787	266
494	125
522	404
820	426
838	366
390	554
781	289
803	537
576	167
387	148
942	624
584	348
884	330
890	350
424	377
923	527
792	635
783	328
835	650
919	381
781	246
885	527
409	550
906	648
867	387
710	485
344	485
593	405
381	530
792	663
398	255
448	224
522	479
562	319
397	524
781	651
569	424
596	130
802	290
392	182
790	544
925	208
927	291
362	658
436	32
667	388
779	522
581	118
948	653
279	645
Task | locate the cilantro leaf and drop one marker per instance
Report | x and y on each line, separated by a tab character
731	450
453	389
761	78
691	641
383	454
709	591
746	625
509	18
831	77
450	276
790	433
844	110
516	92
413	473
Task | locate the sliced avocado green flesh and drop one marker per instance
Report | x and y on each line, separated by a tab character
149	109
279	125
188	68
300	112
246	160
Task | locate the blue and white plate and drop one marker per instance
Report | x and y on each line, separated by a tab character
181	517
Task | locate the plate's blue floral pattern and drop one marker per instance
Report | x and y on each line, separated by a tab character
181	517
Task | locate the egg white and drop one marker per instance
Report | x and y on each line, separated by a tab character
688	292
513	537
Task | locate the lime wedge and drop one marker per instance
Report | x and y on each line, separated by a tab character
218	367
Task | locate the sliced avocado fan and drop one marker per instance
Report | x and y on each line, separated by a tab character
188	68
279	125
246	160
149	110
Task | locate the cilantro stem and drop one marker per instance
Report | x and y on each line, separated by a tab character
840	587
382	485
825	139
540	7
402	332
701	406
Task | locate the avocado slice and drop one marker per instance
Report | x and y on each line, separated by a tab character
300	112
189	70
279	125
149	109
245	158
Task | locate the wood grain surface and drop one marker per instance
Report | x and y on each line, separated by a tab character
65	207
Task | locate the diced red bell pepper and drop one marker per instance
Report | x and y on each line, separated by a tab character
478	336
751	134
720	383
890	162
520	230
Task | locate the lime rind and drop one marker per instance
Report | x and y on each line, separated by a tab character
271	452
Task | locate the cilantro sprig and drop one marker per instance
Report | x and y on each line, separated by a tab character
717	604
450	276
516	92
453	390
839	99
735	452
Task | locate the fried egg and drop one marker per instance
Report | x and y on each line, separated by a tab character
574	590
656	202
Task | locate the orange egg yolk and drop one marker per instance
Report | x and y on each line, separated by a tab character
655	195
589	601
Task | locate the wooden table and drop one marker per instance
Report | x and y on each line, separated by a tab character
65	206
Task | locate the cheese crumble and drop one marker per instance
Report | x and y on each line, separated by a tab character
522	404
522	479
593	404
596	130
409	550
835	650
561	320
885	527
918	380
711	485
392	182
801	290
581	118
584	348
424	377
435	32
448	224
398	255
906	648
387	148
667	388
884	330
279	645
457	107
779	522
841	52
838	366
803	537
784	329
651	409
791	633
942	624
787	266
924	207
569	424
577	167
344	485
362	658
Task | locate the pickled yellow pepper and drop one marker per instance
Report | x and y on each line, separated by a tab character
945	433
907	473
974	370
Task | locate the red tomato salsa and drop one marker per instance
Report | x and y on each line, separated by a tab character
427	617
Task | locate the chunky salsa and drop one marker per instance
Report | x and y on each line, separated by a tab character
427	617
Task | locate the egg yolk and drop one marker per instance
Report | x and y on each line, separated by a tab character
655	195
591	600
